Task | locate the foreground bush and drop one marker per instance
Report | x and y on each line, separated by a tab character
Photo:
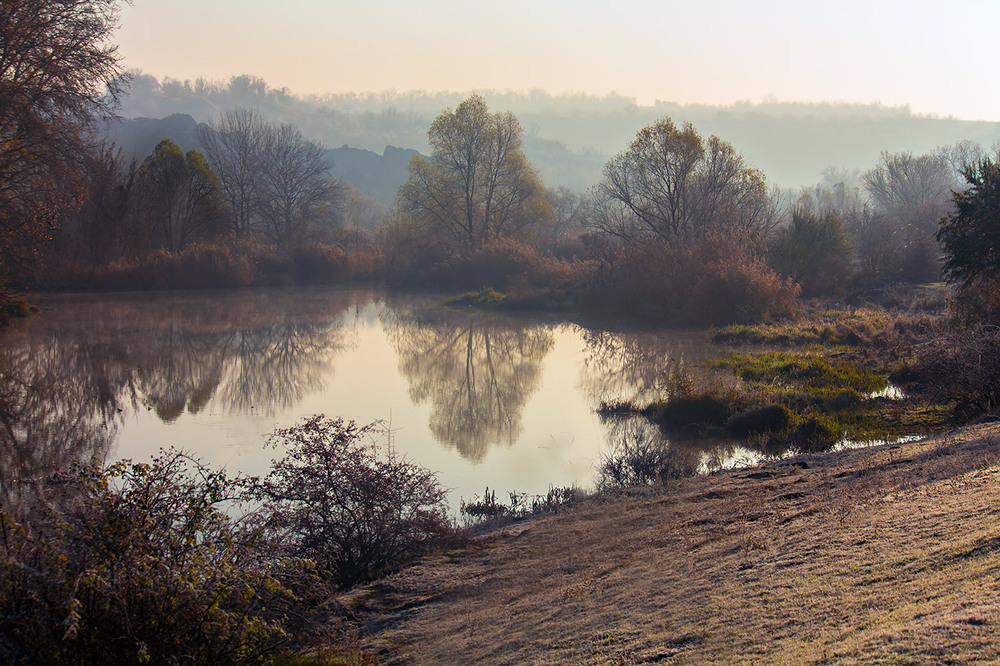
135	562
163	562
337	500
962	369
639	460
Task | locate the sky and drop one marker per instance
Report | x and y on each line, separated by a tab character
937	57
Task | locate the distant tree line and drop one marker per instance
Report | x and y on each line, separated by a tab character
679	228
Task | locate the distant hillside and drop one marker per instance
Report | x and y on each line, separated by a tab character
377	176
570	137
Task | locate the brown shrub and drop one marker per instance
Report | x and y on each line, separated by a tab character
712	281
505	264
321	263
201	266
962	368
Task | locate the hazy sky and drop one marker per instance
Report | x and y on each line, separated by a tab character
938	57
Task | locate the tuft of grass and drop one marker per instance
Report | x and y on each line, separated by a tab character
487	509
485	297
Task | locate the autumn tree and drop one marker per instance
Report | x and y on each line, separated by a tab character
180	196
478	185
59	71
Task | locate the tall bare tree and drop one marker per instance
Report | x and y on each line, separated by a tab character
275	179
235	148
673	185
296	188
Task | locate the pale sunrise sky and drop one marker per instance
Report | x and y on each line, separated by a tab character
938	57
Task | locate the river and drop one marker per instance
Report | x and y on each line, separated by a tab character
481	399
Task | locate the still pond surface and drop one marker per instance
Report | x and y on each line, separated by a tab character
483	400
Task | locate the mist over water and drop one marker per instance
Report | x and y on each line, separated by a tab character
482	400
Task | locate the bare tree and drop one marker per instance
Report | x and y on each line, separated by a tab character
909	195
272	176
235	148
58	71
673	185
296	189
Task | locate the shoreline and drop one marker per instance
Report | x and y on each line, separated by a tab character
886	553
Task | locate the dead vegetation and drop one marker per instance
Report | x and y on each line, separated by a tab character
885	554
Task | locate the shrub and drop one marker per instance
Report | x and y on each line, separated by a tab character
815	252
640	460
318	263
697	412
711	281
136	562
961	369
13	307
768	419
338	500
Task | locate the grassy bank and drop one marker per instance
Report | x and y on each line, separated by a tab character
888	555
805	385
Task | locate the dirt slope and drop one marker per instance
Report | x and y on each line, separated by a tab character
888	554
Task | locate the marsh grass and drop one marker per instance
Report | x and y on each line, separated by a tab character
487	509
781	400
867	326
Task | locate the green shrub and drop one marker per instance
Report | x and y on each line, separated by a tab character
690	412
815	252
768	419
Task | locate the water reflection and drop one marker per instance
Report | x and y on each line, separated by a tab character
69	377
264	361
216	372
632	366
54	408
689	455
476	371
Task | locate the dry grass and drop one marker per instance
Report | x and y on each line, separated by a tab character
884	555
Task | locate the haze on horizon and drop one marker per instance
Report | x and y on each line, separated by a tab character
934	57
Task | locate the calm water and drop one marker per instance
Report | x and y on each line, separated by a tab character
484	400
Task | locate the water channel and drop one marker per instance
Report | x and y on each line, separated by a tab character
481	399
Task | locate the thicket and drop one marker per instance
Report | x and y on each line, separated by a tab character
172	562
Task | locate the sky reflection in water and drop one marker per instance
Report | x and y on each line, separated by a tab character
484	400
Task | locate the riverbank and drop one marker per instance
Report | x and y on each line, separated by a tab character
883	554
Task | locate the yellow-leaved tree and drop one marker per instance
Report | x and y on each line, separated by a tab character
477	186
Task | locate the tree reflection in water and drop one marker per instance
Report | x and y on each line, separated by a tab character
57	404
66	385
477	372
632	366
